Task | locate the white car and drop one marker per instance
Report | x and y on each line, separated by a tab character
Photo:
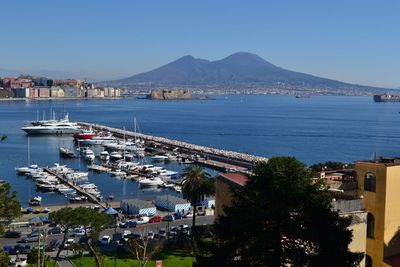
150	235
79	232
105	240
68	242
143	220
126	235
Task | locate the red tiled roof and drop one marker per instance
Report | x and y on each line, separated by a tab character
235	178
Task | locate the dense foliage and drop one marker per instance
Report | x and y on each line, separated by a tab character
279	218
4	259
93	222
10	207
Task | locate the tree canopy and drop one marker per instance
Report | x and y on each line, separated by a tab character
10	207
279	218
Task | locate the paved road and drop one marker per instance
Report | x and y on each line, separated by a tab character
200	220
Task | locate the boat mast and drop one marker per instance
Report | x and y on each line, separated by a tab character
29	151
134	126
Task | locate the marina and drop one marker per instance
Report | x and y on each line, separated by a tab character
125	155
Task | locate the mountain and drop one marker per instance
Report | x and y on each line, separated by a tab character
238	71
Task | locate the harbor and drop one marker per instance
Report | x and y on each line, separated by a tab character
153	164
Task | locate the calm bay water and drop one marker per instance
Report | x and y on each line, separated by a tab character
312	129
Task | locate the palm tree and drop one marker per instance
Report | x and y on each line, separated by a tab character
195	186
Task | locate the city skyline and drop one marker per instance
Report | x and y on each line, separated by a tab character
101	41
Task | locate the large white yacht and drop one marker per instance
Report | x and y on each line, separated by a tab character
63	126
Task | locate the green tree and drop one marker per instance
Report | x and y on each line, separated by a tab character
94	222
279	218
66	219
196	185
10	207
4	259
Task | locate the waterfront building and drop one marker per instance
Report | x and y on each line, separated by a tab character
172	203
69	83
43	92
21	92
225	184
379	185
71	92
56	91
92	92
42	81
17	83
137	206
33	93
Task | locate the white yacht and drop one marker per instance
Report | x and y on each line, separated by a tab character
89	155
159	158
97	140
154	181
63	126
115	156
26	170
104	155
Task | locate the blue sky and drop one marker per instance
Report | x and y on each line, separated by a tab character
354	41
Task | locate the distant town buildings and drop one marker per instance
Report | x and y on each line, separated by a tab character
26	86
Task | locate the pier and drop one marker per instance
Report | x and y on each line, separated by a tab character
220	159
79	190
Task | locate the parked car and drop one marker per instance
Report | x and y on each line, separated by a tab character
162	233
178	216
142	220
168	218
33	237
155	219
79	232
7	249
201	213
128	224
12	234
105	240
150	235
54	230
22	249
137	236
68	242
188	215
173	231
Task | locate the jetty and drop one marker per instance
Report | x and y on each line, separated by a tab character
79	190
220	159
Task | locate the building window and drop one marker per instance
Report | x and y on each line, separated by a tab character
369	182
370	225
368	261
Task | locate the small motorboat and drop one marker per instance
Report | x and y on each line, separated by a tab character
66	153
104	155
115	155
154	181
159	158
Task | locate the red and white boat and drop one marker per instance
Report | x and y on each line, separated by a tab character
85	134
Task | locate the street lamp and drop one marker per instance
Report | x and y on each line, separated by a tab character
113	212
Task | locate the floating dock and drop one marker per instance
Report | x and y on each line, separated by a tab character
79	190
220	159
